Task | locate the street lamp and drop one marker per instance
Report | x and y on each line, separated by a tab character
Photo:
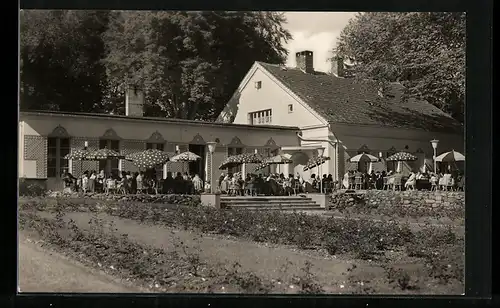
85	146
321	151
434	144
211	149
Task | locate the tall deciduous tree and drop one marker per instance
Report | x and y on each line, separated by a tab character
188	63
423	51
61	53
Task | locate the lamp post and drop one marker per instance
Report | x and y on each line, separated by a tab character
211	149
85	146
434	144
321	151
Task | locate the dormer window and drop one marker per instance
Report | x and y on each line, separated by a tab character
258	84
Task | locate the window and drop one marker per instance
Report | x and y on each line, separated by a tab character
56	150
258	84
290	108
113	166
261	117
157	146
231	152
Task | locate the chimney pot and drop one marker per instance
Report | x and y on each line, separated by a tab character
304	60
338	66
134	102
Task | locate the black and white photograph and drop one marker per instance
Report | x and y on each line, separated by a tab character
241	152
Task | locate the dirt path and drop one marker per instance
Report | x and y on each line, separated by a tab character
43	270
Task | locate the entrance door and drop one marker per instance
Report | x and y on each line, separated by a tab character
197	167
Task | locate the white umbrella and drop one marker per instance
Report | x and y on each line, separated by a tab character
451	156
185	157
364	156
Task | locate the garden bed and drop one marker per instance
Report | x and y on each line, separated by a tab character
428	261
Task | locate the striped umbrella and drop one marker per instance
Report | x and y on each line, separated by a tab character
103	154
240	159
363	157
315	162
149	158
451	156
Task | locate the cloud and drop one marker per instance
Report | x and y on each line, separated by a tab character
317	32
320	44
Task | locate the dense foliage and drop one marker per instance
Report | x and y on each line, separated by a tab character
187	63
424	51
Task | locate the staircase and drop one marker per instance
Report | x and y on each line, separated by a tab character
286	203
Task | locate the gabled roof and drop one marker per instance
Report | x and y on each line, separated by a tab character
346	100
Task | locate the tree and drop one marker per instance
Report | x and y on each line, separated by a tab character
423	51
61	54
187	63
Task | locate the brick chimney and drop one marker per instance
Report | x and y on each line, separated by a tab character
134	102
338	69
304	61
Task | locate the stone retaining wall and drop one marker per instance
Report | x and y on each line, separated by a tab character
401	203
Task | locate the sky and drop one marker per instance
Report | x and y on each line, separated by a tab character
317	32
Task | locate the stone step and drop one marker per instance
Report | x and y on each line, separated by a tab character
264	198
268	201
277	208
261	205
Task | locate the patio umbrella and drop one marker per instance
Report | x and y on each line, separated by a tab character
262	166
364	158
80	155
451	156
149	158
240	159
185	157
315	162
400	157
102	154
278	160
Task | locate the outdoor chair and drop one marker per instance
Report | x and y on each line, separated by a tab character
110	186
296	187
386	183
397	183
450	185
352	183
358	183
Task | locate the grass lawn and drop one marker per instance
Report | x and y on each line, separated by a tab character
194	249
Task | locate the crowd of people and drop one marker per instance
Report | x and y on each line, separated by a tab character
272	184
414	181
258	184
134	183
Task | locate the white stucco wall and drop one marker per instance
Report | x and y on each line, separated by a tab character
271	95
41	125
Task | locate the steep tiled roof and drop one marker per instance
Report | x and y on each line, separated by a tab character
346	100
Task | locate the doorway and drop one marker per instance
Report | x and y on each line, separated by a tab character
197	167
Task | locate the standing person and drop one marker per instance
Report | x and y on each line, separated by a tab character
133	183
219	183
92	180
85	181
100	180
140	182
197	184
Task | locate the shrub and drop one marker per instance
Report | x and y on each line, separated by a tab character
30	189
307	281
